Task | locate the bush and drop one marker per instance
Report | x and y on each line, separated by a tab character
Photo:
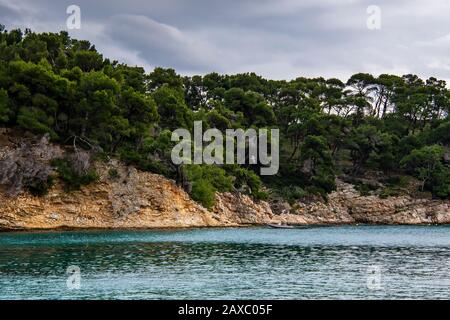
293	194
204	193
38	187
427	164
395	186
206	180
365	189
389	192
113	174
72	179
4	106
245	178
440	184
35	120
143	162
260	195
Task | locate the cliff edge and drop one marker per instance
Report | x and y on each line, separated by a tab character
135	199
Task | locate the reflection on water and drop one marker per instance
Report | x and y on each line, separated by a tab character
251	263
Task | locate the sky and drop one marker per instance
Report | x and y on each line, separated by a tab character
278	39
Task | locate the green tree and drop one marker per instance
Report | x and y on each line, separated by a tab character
4	106
426	164
317	164
172	109
206	181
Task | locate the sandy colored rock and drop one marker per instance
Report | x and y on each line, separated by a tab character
345	205
144	200
136	199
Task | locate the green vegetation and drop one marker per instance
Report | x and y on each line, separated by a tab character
113	174
397	125
73	180
426	164
205	181
39	187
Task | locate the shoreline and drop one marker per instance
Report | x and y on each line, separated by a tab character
148	201
240	226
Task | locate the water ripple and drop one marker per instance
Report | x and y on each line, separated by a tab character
250	263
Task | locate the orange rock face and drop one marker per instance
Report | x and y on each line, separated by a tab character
137	199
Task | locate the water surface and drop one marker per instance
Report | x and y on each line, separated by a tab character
346	262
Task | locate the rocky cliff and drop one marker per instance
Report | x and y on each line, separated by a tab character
134	199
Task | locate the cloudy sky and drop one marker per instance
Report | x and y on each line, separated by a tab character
278	39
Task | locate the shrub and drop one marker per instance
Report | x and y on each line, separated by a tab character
204	193
143	161
113	174
365	188
293	194
72	179
427	164
38	187
247	178
206	180
389	192
395	186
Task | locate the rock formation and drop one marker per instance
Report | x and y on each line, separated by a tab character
134	199
137	199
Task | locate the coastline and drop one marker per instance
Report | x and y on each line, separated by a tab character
241	226
146	201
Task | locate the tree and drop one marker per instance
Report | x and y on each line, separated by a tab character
97	113
317	164
333	96
172	109
206	181
140	111
384	88
252	105
87	60
35	120
362	141
168	77
4	106
427	165
362	86
51	83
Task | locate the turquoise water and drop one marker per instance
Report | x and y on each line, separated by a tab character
347	262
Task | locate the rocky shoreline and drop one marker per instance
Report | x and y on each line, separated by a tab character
142	200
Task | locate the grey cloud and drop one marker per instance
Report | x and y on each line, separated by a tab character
160	44
278	39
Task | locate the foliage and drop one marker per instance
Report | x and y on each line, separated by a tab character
4	106
113	174
73	179
206	181
427	164
317	164
247	181
293	194
63	87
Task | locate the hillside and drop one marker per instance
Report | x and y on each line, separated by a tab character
124	197
67	111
